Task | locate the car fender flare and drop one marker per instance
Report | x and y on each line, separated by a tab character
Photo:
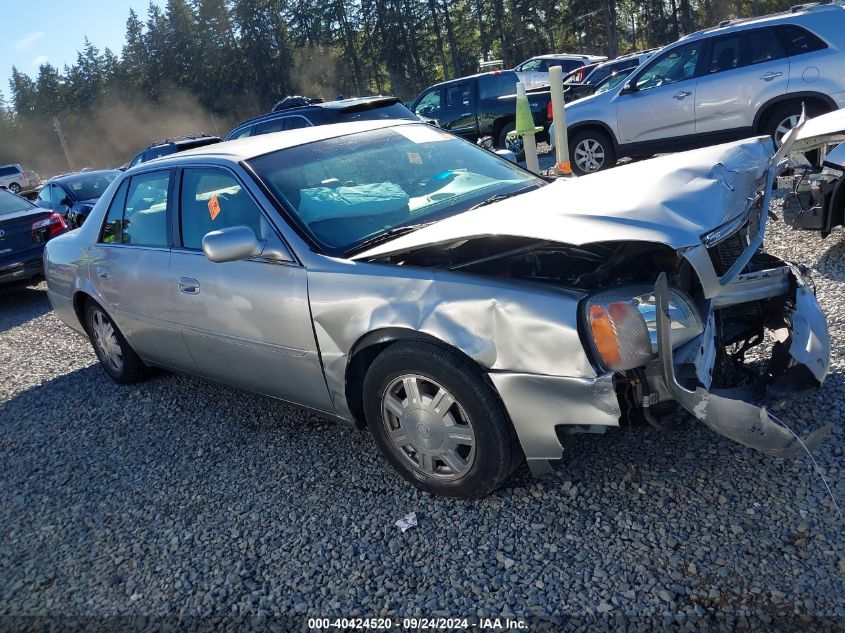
789	96
577	127
370	345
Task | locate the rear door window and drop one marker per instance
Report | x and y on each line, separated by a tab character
268	127
761	45
8	171
112	232
45	196
296	122
145	212
724	54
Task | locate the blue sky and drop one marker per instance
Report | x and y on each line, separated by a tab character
54	30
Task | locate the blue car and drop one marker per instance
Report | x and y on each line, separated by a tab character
74	195
24	230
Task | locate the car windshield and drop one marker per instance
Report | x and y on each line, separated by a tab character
10	203
351	190
90	186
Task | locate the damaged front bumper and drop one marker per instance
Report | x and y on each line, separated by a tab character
805	351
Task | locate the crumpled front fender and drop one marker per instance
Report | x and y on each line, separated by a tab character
734	418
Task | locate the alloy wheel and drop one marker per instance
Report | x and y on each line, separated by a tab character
515	145
589	155
784	126
105	338
15	188
428	427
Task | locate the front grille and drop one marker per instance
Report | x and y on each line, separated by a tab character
725	253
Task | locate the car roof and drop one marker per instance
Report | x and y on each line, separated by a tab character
489	73
77	175
340	104
569	56
252	146
182	140
797	10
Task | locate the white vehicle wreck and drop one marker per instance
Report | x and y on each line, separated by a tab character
815	198
468	313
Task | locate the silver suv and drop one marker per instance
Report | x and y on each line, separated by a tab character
741	78
15	179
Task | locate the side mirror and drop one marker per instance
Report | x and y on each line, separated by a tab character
628	87
231	244
66	202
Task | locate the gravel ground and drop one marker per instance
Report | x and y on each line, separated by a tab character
180	498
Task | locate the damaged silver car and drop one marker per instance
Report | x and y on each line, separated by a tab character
468	313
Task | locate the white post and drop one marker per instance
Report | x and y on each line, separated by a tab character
529	143
561	139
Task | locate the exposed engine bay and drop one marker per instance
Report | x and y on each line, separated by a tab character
586	267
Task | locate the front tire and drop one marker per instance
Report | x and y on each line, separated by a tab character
116	357
590	151
438	421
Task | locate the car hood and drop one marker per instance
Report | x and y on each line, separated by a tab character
821	130
671	200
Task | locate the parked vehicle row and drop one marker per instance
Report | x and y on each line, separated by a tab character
739	79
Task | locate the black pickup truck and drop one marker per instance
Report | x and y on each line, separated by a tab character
481	105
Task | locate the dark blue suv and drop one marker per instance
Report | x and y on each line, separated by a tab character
307	113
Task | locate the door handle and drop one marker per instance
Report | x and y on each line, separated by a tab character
681	95
102	272
189	286
770	75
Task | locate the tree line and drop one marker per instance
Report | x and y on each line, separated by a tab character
214	62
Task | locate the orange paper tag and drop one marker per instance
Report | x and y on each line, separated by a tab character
213	207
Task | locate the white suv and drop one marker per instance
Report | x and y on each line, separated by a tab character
742	78
15	179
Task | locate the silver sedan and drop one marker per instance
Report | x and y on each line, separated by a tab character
468	313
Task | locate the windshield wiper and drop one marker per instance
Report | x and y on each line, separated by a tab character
386	236
502	196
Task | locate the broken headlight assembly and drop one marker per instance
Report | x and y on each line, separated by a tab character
621	325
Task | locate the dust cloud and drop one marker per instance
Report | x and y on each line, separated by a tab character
114	130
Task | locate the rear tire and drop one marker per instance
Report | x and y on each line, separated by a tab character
438	421
15	188
116	357
516	146
784	117
591	150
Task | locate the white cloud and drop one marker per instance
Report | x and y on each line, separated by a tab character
41	59
27	40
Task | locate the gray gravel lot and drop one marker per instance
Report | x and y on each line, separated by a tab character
178	497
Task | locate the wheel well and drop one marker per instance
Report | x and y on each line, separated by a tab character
498	124
577	128
365	351
810	99
79	300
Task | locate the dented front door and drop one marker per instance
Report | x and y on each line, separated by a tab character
246	323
